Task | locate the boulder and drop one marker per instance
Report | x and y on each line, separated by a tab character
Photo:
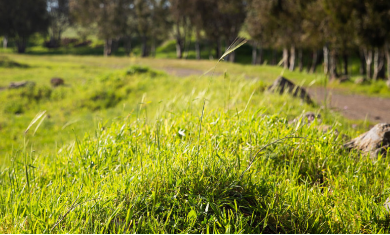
375	141
282	84
15	85
57	82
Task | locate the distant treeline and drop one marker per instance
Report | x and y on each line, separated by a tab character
328	32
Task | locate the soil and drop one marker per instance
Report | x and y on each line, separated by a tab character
355	107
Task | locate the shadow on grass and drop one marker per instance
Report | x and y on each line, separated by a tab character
93	51
7	63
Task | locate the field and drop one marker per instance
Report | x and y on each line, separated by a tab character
127	148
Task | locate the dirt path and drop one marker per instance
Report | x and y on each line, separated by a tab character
356	107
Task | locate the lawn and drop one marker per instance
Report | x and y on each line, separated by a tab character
126	148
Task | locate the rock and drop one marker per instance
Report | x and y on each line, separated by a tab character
282	84
14	85
55	82
362	81
308	118
312	116
374	142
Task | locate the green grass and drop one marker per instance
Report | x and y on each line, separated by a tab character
128	149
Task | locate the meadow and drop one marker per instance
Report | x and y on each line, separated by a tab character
126	148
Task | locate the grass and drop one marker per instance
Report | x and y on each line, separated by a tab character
128	149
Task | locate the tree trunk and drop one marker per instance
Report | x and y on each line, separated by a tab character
333	64
382	70
345	62
197	45
59	36
153	47
376	64
368	56
114	45
300	59
179	51
5	42
197	49
127	45
285	58
218	49
254	54
292	58
314	61
209	46
259	59
179	42
187	44
362	69
21	45
308	67
107	47
144	52
387	54
273	60
326	59
232	57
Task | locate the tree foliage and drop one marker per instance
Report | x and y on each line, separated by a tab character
20	19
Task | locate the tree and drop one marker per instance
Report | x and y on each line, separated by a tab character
233	14
109	16
59	18
372	23
150	19
221	19
20	19
260	27
280	20
314	34
181	11
339	31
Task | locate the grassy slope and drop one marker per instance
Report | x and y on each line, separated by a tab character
69	108
172	158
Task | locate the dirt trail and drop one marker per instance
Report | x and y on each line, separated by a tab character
355	107
359	107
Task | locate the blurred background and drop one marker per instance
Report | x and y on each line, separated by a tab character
346	37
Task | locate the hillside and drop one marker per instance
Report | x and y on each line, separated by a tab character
142	151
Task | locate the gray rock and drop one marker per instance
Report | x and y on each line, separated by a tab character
375	141
57	82
282	84
14	85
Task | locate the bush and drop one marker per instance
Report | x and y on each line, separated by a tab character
15	106
133	70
